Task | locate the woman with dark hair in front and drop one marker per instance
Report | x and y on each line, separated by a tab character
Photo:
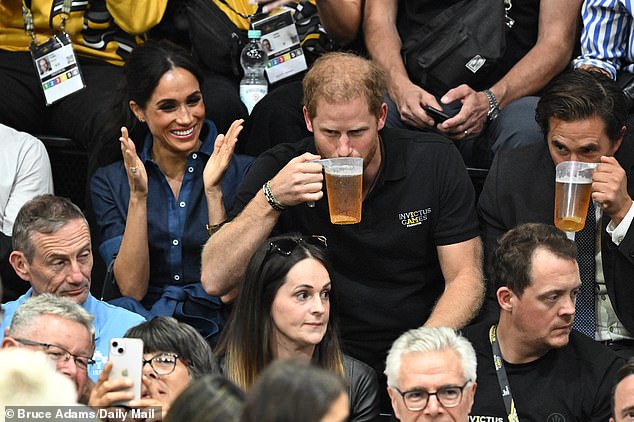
283	311
174	354
158	206
212	398
296	391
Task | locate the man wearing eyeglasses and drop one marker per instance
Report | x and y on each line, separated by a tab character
532	364
431	375
59	328
53	252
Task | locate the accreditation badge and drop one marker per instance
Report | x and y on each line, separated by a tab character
281	42
57	68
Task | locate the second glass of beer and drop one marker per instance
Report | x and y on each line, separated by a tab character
344	180
573	188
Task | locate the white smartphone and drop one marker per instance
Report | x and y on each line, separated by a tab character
126	355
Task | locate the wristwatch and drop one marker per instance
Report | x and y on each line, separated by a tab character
494	107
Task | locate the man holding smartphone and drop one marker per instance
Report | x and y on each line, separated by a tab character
497	112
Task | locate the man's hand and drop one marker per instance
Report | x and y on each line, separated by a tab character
609	189
471	119
410	99
301	180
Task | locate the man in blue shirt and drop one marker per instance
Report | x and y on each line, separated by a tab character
52	250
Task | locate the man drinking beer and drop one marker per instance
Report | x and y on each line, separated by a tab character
583	117
415	256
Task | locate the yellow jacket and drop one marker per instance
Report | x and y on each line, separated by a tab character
112	27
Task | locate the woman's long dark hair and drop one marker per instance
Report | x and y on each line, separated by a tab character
144	68
245	341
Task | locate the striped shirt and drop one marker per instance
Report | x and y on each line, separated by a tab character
607	40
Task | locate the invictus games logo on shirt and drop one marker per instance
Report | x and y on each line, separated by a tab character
414	218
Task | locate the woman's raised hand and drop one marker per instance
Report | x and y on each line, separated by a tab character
221	157
134	168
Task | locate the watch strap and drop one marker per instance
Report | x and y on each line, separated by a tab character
494	106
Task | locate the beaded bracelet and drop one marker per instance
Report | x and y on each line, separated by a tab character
270	198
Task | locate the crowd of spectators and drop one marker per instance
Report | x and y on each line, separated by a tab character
214	223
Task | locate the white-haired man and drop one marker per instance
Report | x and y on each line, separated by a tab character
431	375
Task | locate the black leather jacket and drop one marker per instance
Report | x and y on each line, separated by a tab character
363	390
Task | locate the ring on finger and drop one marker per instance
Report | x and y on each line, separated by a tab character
466	132
133	170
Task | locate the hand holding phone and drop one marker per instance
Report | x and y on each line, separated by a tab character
438	115
126	355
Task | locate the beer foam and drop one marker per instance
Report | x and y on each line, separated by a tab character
345	170
574	180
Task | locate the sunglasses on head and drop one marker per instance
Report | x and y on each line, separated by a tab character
286	246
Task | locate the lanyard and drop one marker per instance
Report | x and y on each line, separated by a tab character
28	17
503	378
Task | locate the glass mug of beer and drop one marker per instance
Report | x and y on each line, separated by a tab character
573	188
344	180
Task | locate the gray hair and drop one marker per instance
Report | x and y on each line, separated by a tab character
42	214
27	314
428	339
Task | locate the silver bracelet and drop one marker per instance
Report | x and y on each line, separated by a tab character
270	198
494	106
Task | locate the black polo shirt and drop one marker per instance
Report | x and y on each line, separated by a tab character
385	270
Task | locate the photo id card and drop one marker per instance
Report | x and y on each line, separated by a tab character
281	42
56	66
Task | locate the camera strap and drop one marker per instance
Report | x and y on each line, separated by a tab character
503	379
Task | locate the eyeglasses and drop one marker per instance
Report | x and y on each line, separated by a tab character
286	246
416	399
59	354
163	363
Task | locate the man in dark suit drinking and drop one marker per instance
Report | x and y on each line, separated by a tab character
583	117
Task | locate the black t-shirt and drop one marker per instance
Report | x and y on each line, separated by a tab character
572	383
386	275
519	39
